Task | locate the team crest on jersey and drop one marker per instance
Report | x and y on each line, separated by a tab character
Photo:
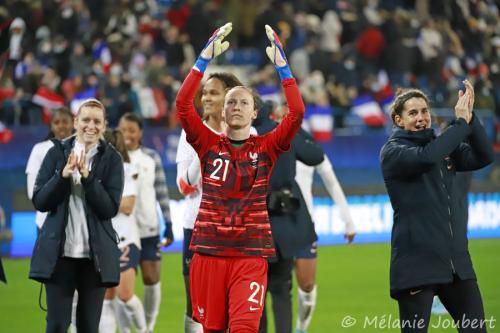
254	157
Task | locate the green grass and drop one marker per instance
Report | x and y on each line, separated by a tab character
352	281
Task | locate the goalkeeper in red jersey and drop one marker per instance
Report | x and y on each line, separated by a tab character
232	235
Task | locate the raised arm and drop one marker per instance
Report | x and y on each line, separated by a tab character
196	132
400	160
478	151
284	133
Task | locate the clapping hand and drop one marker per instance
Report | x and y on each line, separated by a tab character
465	103
70	165
82	165
74	162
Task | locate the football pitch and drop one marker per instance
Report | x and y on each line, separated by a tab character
353	291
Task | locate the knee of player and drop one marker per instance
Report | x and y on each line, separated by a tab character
307	286
125	295
151	275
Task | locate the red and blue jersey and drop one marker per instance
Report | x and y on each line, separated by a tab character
232	219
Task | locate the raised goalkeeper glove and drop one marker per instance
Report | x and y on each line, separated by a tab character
277	55
214	47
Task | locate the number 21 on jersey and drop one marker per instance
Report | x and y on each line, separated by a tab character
219	164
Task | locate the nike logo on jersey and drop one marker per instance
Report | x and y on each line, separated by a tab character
221	153
254	308
414	292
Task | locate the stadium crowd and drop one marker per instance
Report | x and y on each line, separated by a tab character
133	52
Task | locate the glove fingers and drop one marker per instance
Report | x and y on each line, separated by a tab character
216	48
271	53
226	29
270	33
224	46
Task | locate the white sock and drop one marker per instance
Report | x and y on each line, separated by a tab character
136	312
307	302
191	326
123	317
72	326
107	324
152	299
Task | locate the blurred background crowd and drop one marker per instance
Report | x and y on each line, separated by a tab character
349	56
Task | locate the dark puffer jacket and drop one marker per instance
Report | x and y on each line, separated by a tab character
429	235
102	191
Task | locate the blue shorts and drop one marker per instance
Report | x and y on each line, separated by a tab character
129	257
150	248
308	252
187	255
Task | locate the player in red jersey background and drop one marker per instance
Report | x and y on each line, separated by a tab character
232	235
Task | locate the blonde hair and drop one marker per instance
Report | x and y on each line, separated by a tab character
94	103
248	90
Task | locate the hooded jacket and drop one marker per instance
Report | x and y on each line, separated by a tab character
429	236
102	194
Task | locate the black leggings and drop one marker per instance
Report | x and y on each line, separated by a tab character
72	274
279	285
461	298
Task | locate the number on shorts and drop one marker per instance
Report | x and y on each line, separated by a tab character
256	288
124	258
218	163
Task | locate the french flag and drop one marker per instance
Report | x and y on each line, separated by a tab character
48	99
319	121
369	110
101	52
81	97
150	102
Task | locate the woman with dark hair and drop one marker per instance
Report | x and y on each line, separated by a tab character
80	184
152	188
61	126
429	250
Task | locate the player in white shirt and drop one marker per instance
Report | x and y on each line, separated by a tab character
61	126
306	261
189	175
152	188
126	308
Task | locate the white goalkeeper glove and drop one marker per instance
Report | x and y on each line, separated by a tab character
277	55
214	47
